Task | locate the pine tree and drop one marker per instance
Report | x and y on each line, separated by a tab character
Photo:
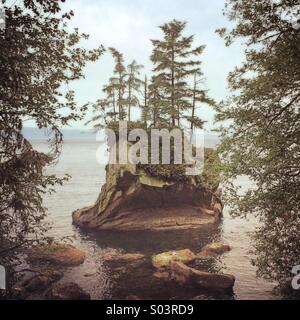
173	65
158	104
119	82
133	84
198	96
105	109
145	105
110	90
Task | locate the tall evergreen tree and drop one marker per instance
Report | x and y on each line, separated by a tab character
145	105
174	61
111	91
262	140
133	84
119	82
105	109
158	104
198	95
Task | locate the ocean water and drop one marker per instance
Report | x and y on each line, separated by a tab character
79	160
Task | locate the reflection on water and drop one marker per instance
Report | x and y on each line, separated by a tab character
79	160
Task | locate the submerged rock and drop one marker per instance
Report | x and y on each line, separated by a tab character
42	281
121	258
185	275
161	275
163	259
133	297
219	296
67	291
37	283
57	254
213	249
132	199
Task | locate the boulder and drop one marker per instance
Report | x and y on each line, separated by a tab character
132	199
163	260
161	275
37	283
122	258
213	249
67	291
133	297
41	281
185	275
57	254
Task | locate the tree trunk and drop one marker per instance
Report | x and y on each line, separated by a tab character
145	100
114	104
172	89
194	102
129	99
119	99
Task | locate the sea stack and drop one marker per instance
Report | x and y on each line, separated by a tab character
134	199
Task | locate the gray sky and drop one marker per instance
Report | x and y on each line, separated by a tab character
128	25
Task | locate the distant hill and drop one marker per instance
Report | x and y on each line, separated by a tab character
69	134
34	134
211	139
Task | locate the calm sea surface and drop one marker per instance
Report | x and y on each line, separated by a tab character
79	160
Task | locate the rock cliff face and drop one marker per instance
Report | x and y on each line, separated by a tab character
131	199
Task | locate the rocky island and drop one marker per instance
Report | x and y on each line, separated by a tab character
139	198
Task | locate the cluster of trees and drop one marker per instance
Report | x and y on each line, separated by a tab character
172	94
37	57
121	92
263	140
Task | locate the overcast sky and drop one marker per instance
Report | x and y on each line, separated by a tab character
128	25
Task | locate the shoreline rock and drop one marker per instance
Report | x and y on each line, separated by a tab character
164	275
57	254
121	258
37	283
67	291
213	249
185	275
163	260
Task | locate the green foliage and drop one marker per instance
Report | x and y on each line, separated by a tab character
211	175
133	85
174	61
209	179
262	140
121	92
119	82
38	58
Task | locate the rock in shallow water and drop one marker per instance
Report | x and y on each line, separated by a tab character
42	281
133	297
213	249
164	275
185	275
131	199
163	259
67	291
37	283
57	254
120	258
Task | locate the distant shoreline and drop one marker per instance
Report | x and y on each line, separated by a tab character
76	135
